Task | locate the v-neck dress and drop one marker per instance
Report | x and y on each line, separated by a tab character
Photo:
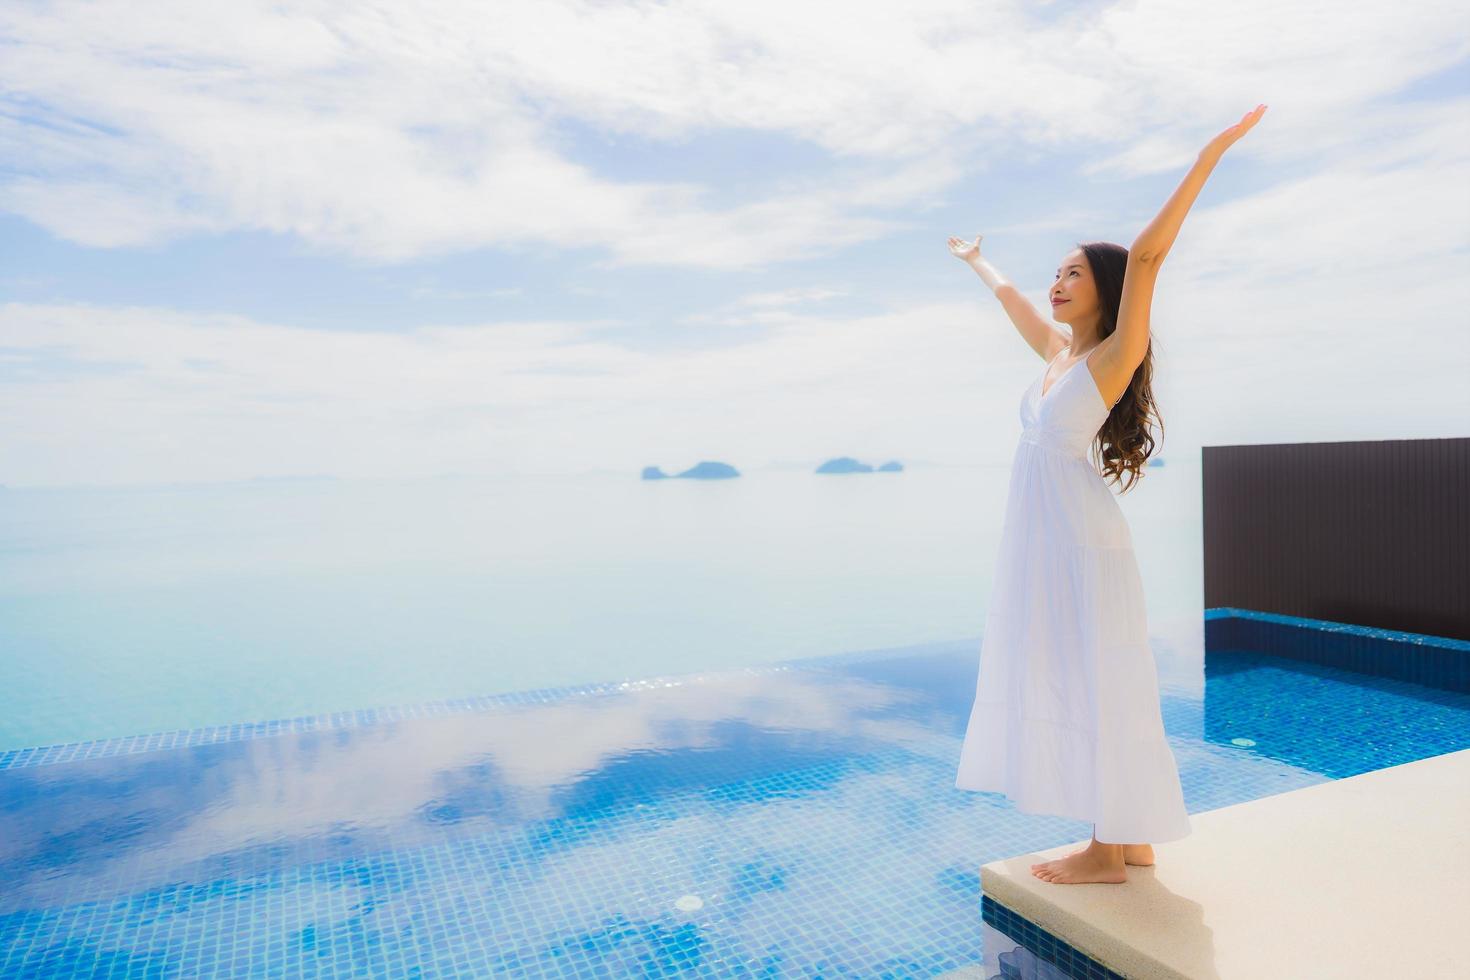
1066	717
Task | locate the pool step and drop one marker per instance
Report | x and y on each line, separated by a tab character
1367	876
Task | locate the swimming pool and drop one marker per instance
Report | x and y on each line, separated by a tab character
793	819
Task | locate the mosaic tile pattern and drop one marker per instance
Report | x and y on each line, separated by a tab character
1070	962
798	820
1434	661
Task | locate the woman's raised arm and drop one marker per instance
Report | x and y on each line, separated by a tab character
1130	339
1039	335
1154	242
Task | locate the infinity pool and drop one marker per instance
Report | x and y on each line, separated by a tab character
794	819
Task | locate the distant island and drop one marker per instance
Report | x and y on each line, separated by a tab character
846	464
706	470
710	470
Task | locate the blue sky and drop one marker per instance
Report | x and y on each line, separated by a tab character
385	240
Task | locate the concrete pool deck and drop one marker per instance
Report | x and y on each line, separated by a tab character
1367	876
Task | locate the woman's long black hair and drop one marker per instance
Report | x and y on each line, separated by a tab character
1124	443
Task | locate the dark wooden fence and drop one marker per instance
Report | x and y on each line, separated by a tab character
1370	533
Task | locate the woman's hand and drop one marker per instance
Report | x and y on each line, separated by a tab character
1217	146
961	249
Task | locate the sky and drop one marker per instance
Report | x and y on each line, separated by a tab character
378	240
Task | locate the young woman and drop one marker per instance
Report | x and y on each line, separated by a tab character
1066	715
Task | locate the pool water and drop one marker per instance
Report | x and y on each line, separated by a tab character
795	819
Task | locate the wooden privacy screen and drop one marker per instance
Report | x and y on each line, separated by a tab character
1370	533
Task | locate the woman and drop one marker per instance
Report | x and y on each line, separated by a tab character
1066	715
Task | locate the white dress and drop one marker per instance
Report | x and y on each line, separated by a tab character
1066	716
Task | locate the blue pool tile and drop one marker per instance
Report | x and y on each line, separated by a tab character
792	821
1433	661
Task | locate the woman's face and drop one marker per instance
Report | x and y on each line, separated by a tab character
1074	286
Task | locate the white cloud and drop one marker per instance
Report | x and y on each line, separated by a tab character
790	297
764	307
1309	310
392	132
207	398
1309	273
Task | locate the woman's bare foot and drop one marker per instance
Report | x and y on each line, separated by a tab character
1103	862
1072	855
1139	854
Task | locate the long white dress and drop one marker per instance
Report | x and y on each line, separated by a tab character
1066	716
